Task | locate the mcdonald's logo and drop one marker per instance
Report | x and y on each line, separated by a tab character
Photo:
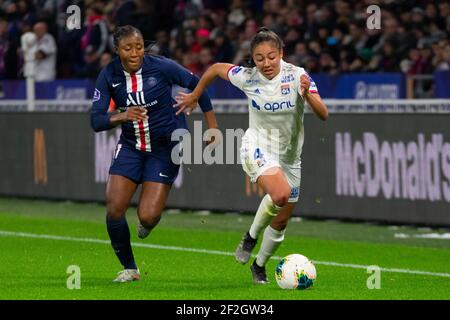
40	157
251	188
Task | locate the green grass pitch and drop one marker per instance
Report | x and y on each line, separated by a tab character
190	256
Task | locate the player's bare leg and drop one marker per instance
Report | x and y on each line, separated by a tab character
277	189
269	207
274	182
119	191
281	220
151	204
273	237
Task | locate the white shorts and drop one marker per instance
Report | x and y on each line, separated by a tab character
255	160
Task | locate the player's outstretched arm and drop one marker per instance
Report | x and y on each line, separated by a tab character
190	100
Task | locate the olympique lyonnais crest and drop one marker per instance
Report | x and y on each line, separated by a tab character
285	89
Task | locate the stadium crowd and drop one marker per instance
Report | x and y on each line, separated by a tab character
328	36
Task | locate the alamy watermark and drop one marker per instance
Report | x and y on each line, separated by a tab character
374	20
74	279
74	19
231	148
374	280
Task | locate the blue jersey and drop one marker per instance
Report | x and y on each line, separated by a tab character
150	87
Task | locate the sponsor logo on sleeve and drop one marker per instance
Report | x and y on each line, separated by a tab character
312	85
96	95
236	70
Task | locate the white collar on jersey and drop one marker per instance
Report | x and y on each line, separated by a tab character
129	74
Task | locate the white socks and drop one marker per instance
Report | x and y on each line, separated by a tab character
271	241
264	215
272	238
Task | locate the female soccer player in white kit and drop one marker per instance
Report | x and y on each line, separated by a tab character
277	93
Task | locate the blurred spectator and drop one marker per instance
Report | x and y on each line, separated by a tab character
270	21
444	63
126	13
427	55
243	57
191	62
205	60
315	48
290	40
21	15
356	38
105	59
415	63
272	6
45	53
8	53
388	59
95	38
323	36
300	55
327	64
162	44
439	55
223	48
444	11
27	14
237	15
202	40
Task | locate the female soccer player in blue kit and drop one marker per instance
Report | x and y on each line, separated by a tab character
277	93
140	85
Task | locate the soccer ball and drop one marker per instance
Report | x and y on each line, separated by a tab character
295	271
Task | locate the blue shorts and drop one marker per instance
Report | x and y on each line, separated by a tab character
139	166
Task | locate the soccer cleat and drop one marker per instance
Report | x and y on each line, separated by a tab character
142	231
128	275
244	249
258	273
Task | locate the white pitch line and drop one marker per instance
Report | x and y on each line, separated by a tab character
216	252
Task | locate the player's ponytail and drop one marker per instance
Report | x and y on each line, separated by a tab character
150	47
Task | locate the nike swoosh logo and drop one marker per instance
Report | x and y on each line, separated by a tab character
163	175
115	85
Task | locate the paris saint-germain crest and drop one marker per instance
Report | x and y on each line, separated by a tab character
152	82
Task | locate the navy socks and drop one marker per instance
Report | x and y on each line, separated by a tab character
120	240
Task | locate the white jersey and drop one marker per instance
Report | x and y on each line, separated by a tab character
275	108
46	68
